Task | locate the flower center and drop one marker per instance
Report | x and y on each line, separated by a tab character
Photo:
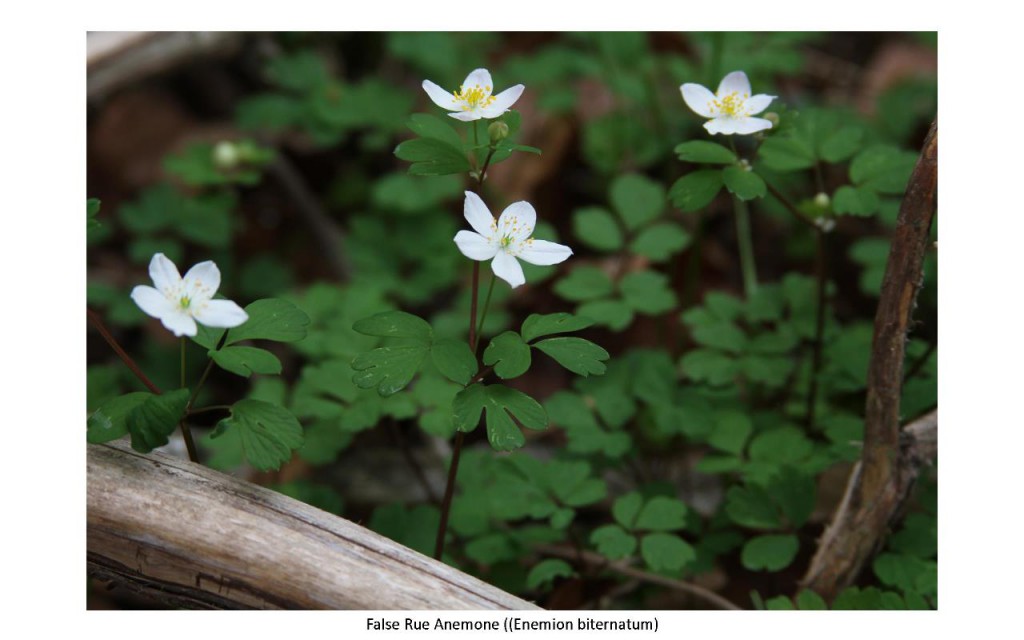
185	302
732	104
473	97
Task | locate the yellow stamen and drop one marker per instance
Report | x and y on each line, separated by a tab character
474	97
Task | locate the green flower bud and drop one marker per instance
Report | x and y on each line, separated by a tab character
225	155
822	200
498	131
772	117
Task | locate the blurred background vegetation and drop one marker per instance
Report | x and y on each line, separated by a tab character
272	155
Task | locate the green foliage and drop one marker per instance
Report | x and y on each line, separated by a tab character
506	408
769	552
580	356
110	420
154	418
547	571
704	152
206	165
268	433
509	355
696	189
645	524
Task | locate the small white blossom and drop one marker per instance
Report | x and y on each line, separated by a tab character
473	100
506	239
180	302
731	107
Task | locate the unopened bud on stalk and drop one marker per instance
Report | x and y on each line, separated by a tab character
498	131
225	155
822	200
772	117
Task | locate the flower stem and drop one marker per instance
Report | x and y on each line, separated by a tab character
186	433
487	304
746	246
97	323
819	331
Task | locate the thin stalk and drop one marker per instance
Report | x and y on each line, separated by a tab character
449	491
746	246
487	304
97	324
212	407
819	331
186	433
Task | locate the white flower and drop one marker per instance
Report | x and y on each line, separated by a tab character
506	239
730	107
473	100
180	302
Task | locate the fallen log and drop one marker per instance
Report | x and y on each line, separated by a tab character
197	538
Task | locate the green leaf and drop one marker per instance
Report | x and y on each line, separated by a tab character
661	514
780	446
647	292
883	168
626	509
502	404
545	572
702	151
245	361
906	573
613	314
597	228
855	201
454	359
666	552
721	335
538	325
769	553
786	154
660	241
732	428
151	421
842	143
580	356
432	157
751	506
428	126
612	542
696	190
389	369
744	184
808	600
271	319
395	324
584	283
110	420
708	365
268	432
637	199
509	355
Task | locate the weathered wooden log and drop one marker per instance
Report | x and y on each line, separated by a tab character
197	538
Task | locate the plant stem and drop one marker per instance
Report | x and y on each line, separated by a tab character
746	246
97	323
186	433
487	304
212	407
819	331
449	491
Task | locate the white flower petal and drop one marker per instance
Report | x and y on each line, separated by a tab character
152	302
481	77
543	252
466	116
517	221
503	101
478	215
220	313
736	81
751	125
699	99
757	104
201	282
439	96
164	274
725	126
179	323
506	267
475	246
